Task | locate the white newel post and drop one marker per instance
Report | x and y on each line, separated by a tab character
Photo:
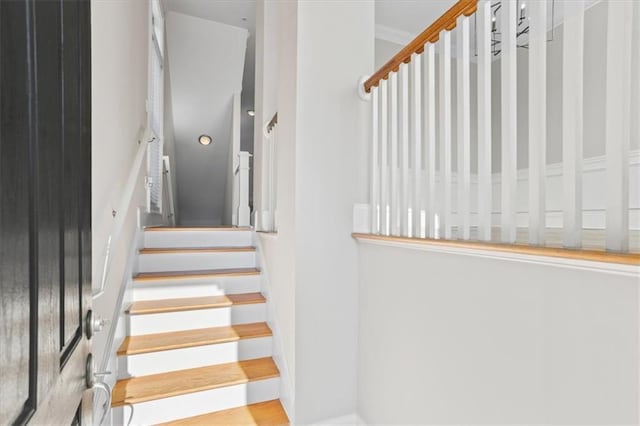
243	212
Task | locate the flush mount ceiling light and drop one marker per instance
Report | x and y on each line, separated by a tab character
204	140
251	112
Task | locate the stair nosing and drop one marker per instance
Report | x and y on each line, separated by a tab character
192	250
192	344
196	228
152	396
145	277
198	419
213	303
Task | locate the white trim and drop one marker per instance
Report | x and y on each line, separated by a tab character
393	35
586	265
361	218
286	388
349	419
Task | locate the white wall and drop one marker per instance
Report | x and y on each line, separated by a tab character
594	93
311	262
329	137
276	91
269	41
385	50
448	338
119	52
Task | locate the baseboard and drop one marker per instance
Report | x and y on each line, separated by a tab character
287	396
350	419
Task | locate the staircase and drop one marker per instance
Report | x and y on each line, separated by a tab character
198	348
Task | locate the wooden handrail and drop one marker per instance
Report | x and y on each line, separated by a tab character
430	35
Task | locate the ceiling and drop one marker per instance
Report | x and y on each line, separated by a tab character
206	62
239	13
402	20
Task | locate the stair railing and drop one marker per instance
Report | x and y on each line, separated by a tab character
242	209
417	191
120	214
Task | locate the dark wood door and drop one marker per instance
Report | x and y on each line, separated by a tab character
45	210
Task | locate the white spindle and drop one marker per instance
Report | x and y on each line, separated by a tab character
430	130
445	133
618	122
416	92
509	123
484	120
537	120
384	162
393	165
572	120
243	212
404	144
375	177
464	129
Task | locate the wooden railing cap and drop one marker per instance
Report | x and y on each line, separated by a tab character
446	22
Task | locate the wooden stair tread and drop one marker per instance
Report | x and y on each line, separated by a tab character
146	343
185	275
197	228
163	385
268	413
193	303
184	250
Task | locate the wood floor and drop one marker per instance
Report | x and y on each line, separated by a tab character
268	413
163	385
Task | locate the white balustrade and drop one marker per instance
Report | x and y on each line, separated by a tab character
412	180
243	210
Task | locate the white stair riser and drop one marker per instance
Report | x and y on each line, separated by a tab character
196	287
168	262
194	404
199	356
162	239
200	318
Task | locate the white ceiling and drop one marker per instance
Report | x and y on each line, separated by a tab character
239	13
206	60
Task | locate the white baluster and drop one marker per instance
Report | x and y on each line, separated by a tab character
509	123
404	143
537	120
384	162
243	212
618	122
430	128
445	133
464	129
572	120
418	229
393	135
484	120
375	171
